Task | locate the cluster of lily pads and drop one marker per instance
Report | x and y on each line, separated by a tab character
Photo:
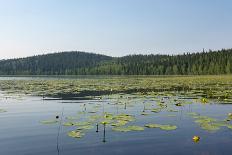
211	124
94	117
211	87
153	94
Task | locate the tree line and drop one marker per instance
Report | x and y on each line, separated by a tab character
81	63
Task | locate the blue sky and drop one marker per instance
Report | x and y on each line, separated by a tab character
113	27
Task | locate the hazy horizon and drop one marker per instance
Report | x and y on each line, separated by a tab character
113	28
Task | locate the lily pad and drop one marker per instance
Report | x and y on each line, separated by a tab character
156	110
68	124
75	134
76	123
128	128
163	127
229	126
119	123
209	127
85	127
124	117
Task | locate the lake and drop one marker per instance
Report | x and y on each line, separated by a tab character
115	115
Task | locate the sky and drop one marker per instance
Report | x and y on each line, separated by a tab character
113	27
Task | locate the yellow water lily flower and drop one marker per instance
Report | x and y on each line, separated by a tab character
104	123
204	100
196	138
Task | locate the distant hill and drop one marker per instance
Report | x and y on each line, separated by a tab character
81	63
58	64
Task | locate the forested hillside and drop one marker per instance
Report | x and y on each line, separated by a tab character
81	63
63	63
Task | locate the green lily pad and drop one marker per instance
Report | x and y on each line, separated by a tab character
85	127
152	125
119	123
229	126
208	123
76	123
68	124
75	134
163	127
156	110
124	117
128	128
209	127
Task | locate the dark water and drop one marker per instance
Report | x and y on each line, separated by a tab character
21	132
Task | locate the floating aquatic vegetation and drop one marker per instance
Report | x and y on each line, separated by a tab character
209	126
162	105
119	123
105	122
156	110
205	120
76	123
82	123
68	124
76	134
128	128
95	118
124	117
159	95
210	86
85	127
52	121
163	127
208	123
178	104
229	126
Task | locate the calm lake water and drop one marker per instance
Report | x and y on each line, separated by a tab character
22	133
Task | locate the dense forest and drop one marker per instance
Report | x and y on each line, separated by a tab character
81	63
